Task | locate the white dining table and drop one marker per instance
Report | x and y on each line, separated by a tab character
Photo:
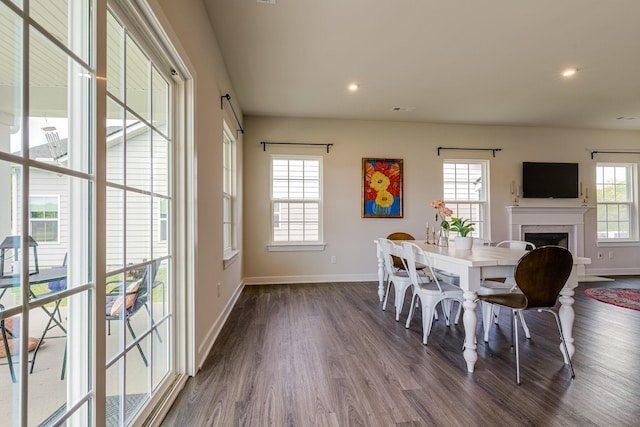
471	266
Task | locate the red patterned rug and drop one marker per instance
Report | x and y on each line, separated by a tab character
622	297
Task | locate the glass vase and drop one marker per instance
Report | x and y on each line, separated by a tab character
443	237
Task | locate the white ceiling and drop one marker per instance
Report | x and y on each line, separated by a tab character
454	61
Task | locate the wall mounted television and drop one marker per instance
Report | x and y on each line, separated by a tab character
549	180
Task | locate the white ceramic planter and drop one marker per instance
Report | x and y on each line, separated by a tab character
463	243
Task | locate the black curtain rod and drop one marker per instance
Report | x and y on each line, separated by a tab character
613	152
228	98
265	143
493	150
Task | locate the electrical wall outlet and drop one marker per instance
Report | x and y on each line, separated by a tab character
610	254
334	260
219	286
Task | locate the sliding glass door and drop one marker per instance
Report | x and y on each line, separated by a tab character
51	161
139	252
47	143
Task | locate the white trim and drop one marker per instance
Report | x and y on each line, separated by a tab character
229	257
207	343
319	201
483	204
296	247
623	271
162	405
617	243
229	191
319	278
552	219
632	204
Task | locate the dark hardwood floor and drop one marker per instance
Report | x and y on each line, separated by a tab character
327	355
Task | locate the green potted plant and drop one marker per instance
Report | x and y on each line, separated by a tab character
463	227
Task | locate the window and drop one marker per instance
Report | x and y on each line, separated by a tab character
43	218
615	198
163	223
296	198
228	187
465	192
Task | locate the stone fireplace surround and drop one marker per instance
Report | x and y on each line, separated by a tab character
549	219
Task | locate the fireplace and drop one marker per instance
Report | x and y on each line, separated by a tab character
544	225
545	239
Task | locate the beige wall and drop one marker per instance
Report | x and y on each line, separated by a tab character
188	27
350	237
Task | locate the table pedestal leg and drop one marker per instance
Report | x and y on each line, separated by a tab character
567	316
470	320
380	275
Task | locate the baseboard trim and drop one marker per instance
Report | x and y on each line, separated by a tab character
613	271
321	278
205	348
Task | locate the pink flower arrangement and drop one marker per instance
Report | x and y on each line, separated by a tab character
442	212
462	226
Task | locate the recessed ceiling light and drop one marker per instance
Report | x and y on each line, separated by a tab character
569	72
353	87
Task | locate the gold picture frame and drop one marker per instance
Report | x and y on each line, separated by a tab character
382	188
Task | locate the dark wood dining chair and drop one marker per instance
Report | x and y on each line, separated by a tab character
500	285
397	261
540	275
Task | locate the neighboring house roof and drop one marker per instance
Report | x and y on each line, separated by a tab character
44	151
60	148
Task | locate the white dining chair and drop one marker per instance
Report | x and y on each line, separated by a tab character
491	286
429	294
398	278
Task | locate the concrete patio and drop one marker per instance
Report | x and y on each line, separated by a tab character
48	392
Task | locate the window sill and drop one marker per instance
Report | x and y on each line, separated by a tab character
229	258
295	247
617	243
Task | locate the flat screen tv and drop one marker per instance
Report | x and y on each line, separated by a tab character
549	180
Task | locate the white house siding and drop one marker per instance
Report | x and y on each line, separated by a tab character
141	233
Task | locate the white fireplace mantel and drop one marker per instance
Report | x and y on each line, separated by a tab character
552	219
555	210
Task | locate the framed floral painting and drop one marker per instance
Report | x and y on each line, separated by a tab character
381	188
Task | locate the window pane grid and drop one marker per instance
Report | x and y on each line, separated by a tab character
43	218
228	188
615	204
226	222
464	191
296	198
296	221
463	181
296	179
614	221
